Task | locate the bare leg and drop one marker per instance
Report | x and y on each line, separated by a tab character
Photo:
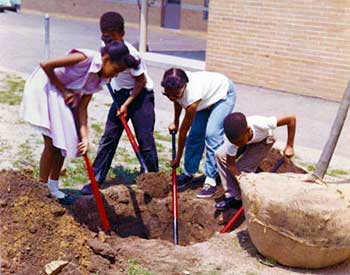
57	164
46	160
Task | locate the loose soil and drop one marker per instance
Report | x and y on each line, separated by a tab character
36	230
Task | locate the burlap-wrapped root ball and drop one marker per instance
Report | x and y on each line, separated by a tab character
297	223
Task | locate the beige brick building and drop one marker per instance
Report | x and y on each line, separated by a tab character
178	14
296	46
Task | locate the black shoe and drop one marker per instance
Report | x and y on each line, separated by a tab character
86	190
183	180
67	200
228	203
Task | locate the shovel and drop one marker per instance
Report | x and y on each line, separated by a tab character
128	131
240	211
94	185
174	194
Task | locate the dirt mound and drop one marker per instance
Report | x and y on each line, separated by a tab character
36	230
155	185
272	158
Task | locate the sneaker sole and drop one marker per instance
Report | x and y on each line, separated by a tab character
205	196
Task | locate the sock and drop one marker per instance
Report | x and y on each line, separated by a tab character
210	181
186	173
53	186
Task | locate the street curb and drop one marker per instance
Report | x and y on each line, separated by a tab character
164	61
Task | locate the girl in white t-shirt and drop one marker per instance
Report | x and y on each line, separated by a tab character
207	98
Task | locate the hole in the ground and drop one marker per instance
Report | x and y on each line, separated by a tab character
145	210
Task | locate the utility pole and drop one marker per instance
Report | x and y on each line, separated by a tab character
143	26
47	35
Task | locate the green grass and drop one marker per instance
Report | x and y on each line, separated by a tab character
4	148
159	136
97	128
76	172
129	175
26	153
161	148
134	268
311	167
269	261
11	90
338	172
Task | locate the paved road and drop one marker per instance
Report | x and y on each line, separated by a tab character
21	40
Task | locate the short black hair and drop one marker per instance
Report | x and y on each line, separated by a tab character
112	21
235	125
119	53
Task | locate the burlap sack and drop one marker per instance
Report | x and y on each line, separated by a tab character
297	223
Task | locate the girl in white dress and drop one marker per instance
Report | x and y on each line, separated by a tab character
55	87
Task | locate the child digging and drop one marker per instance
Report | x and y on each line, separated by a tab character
207	98
135	96
249	138
55	87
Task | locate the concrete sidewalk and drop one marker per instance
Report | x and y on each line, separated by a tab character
21	37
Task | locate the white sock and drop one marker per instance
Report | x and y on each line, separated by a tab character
53	186
186	173
210	181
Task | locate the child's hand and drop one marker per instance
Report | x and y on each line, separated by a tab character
123	111
175	163
241	175
69	97
288	151
83	146
173	127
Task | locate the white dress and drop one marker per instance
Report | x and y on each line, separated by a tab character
43	105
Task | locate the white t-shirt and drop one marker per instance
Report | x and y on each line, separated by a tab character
262	128
125	79
208	86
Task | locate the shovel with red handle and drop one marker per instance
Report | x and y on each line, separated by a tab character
174	194
94	185
240	211
128	131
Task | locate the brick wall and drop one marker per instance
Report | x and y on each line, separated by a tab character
296	46
91	8
193	18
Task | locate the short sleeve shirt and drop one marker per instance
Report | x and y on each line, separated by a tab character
262	128
126	79
209	87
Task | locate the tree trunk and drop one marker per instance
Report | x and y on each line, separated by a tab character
338	124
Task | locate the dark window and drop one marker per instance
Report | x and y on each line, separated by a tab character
205	13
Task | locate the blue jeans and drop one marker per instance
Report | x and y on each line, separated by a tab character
207	130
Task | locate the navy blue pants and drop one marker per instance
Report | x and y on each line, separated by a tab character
142	115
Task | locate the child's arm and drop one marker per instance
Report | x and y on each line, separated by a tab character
231	165
49	66
83	146
140	83
290	121
185	126
174	126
